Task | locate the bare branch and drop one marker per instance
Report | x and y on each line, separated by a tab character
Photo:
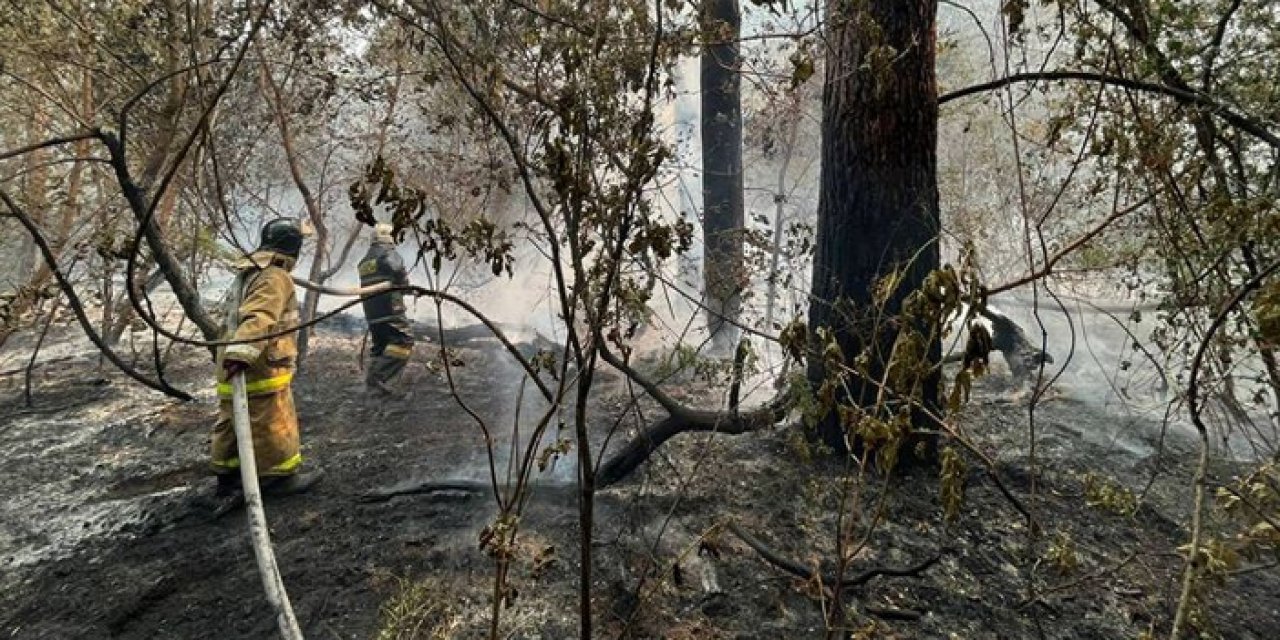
799	570
1075	245
74	301
1183	96
52	142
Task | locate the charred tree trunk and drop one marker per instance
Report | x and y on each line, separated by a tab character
878	203
722	201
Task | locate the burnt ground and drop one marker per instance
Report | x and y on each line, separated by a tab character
107	528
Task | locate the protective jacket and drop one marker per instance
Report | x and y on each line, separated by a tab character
261	302
383	264
389	327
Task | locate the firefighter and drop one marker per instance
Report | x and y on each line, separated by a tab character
262	302
385	313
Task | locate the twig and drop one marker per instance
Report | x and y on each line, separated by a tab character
35	353
52	142
1184	96
1193	405
1254	569
1087	237
799	570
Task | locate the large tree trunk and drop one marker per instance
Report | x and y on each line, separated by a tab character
878	204
722	222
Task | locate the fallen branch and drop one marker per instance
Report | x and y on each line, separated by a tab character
638	450
799	570
889	613
681	419
42	363
258	533
419	487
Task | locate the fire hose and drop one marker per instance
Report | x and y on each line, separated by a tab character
272	583
341	291
261	538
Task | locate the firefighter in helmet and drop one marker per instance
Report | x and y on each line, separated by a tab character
261	309
385	313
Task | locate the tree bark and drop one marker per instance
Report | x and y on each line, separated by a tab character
183	288
722	198
878	199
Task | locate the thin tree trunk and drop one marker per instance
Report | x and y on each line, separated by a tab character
779	218
35	352
37	200
183	288
321	253
722	198
121	314
138	192
35	186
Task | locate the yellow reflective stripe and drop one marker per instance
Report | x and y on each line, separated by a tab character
229	463
288	466
397	351
258	386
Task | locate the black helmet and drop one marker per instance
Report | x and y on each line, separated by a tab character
283	236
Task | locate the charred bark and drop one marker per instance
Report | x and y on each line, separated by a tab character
183	286
722	198
639	448
681	419
878	200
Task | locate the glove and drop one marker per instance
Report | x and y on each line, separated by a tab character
232	367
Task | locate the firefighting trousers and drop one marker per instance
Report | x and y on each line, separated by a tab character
276	442
392	346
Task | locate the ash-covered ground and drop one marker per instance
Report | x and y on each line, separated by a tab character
107	530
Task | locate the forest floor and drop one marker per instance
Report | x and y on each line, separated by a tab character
107	527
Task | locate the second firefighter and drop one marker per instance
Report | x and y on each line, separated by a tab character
388	325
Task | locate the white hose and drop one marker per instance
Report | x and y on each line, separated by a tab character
258	533
339	291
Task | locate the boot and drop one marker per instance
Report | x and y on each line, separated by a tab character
383	391
300	482
228	485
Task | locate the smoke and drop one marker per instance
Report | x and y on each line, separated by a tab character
1106	360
